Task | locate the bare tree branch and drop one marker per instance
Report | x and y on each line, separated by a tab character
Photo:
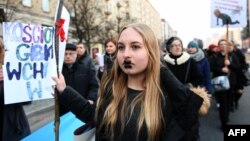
8	10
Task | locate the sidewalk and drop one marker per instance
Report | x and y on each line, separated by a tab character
39	113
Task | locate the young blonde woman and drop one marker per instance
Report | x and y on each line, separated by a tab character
140	100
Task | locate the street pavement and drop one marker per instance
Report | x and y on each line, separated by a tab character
210	124
41	112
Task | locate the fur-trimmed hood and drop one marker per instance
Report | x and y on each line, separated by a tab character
206	99
178	61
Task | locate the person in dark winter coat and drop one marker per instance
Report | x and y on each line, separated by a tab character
212	49
199	42
185	69
80	74
139	100
181	64
241	79
234	76
202	64
110	48
221	65
87	68
14	124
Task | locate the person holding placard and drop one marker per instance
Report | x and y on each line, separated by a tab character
224	63
14	124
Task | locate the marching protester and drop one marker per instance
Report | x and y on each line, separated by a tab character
202	64
140	99
185	69
224	64
211	50
241	79
181	64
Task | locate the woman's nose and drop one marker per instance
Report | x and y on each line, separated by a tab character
126	53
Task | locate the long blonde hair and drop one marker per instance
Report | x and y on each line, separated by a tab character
151	99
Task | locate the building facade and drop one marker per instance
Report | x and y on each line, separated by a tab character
116	13
28	11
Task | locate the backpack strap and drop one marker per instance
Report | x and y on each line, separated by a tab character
187	72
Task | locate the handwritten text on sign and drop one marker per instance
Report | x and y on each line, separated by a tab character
29	62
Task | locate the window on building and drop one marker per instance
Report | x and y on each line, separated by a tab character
72	13
2	15
45	5
26	3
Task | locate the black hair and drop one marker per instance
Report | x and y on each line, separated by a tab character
170	41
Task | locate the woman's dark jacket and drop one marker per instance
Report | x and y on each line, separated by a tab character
184	68
217	63
180	111
108	63
241	79
14	125
203	67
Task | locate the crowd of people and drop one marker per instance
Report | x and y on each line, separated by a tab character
139	98
140	93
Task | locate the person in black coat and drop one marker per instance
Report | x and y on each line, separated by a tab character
241	79
14	124
221	65
211	50
139	100
181	64
202	64
79	74
185	69
87	68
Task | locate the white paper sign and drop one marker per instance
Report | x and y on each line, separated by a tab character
100	59
65	15
232	12
29	62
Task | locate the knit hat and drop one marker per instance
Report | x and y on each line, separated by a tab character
212	46
170	41
193	44
70	46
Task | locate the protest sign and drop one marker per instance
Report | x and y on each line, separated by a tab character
29	62
231	12
62	45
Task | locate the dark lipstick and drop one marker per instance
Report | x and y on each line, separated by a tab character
127	64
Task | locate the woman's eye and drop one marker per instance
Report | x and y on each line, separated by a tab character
120	47
135	46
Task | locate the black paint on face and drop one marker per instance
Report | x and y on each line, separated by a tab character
127	64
